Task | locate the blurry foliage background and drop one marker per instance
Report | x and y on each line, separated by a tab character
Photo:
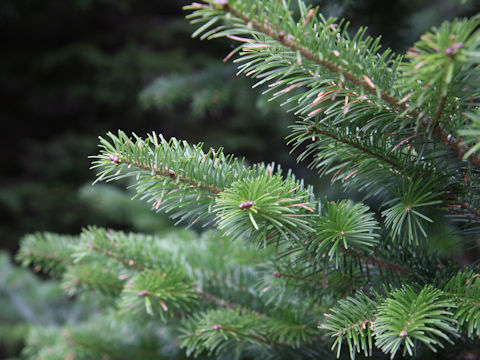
73	70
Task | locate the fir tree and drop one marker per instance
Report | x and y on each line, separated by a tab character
330	278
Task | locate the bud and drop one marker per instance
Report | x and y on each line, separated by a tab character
114	158
222	3
309	16
246	205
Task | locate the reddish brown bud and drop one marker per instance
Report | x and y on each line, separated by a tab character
142	293
246	205
114	158
217	327
276	274
222	3
453	49
309	16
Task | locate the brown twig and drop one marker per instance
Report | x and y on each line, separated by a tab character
378	262
168	173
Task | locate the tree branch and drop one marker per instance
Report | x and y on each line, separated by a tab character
140	267
168	173
398	167
378	262
365	82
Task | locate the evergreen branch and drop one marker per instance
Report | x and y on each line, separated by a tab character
47	251
387	160
141	267
436	78
398	176
406	315
168	173
280	34
352	319
135	293
381	263
180	178
464	288
227	330
293	44
212	329
397	320
396	163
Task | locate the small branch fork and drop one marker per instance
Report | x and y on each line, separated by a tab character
139	267
378	262
399	168
204	295
365	82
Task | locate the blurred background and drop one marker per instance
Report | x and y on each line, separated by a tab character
73	70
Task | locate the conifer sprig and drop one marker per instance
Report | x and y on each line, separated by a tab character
380	124
311	72
146	276
263	33
195	186
262	205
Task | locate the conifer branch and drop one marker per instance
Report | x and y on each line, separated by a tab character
455	145
297	277
396	151
379	262
290	42
364	82
167	173
399	168
141	267
215	300
314	129
465	205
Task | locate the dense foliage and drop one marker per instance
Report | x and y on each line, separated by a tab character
332	277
